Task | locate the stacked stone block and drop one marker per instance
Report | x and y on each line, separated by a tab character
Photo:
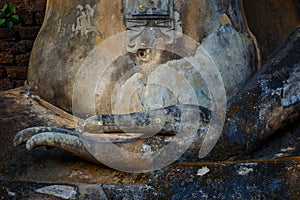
16	43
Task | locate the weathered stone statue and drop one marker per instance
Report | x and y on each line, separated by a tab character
71	39
103	58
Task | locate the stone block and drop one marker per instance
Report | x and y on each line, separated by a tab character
16	47
6	46
7	33
27	43
6	84
26	15
6	58
40	5
18	83
23	59
39	17
17	72
3	73
28	32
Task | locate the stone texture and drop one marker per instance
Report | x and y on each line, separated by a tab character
27	10
6	84
16	43
61	191
271	21
236	180
39	17
32	114
57	40
6	58
3	72
22	172
28	32
17	72
227	47
6	33
226	180
266	103
22	59
16	47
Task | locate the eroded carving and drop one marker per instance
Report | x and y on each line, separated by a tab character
84	24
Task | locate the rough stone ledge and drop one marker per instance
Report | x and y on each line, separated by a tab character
275	178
